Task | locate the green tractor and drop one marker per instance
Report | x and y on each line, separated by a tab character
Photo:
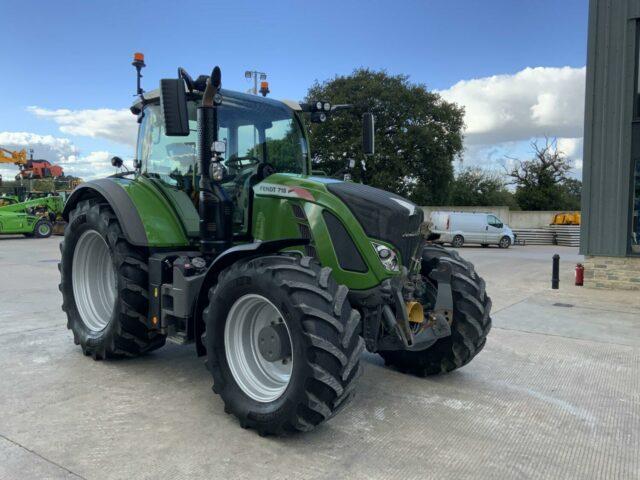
31	218
221	236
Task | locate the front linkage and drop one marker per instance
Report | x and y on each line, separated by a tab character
394	316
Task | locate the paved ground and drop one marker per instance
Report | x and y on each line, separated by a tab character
555	394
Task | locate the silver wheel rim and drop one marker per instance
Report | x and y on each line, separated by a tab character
260	379
43	229
93	280
505	242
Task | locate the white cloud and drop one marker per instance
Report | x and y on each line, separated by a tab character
535	102
503	113
116	125
57	150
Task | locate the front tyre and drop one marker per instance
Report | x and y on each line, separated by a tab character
471	318
282	342
458	241
104	285
505	242
43	229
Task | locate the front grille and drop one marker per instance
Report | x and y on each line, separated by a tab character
310	250
298	212
305	232
407	246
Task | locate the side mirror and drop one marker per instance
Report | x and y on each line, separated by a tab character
174	107
116	162
368	134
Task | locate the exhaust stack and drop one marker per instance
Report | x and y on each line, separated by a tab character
215	207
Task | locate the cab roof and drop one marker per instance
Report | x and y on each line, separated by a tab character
153	96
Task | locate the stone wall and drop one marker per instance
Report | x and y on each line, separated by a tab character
620	273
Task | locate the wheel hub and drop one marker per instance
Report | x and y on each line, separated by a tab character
273	343
258	348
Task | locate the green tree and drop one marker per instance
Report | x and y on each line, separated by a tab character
474	186
542	183
418	134
44	185
573	193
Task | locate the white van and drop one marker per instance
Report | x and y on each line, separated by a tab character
458	228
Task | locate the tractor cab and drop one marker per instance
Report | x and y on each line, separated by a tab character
260	136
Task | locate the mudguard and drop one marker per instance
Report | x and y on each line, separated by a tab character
146	216
119	200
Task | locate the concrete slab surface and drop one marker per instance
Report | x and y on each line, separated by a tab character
555	394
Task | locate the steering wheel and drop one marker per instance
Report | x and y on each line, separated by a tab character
238	160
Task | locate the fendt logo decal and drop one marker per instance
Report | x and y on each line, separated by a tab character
273	190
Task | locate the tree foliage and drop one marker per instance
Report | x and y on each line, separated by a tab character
474	186
418	134
542	183
44	185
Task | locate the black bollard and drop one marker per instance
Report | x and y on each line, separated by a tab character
555	272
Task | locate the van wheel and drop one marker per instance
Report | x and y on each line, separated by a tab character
505	242
457	241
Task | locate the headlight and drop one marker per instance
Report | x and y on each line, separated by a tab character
387	257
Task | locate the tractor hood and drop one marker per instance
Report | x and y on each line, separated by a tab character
383	215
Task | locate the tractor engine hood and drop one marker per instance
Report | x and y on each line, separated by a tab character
383	215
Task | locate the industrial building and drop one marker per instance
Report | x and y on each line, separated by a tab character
610	229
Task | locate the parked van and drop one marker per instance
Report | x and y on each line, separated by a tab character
458	228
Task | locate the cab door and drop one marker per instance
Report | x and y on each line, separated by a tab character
494	229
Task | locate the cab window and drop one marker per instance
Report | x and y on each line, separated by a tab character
494	221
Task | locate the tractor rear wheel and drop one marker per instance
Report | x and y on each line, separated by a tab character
104	285
282	342
471	318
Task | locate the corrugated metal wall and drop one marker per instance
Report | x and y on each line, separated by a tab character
606	204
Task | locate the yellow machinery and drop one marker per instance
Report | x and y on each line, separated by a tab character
18	158
571	218
15	157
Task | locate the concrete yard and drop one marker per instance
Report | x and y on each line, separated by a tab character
555	394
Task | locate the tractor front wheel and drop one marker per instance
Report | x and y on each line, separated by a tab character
282	342
104	285
471	318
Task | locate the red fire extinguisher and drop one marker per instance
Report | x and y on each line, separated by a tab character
579	275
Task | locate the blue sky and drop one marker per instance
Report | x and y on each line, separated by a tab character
69	58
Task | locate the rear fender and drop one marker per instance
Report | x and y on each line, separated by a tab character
120	202
146	216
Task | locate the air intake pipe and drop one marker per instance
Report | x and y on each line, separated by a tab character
215	207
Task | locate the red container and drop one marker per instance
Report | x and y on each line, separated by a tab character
579	275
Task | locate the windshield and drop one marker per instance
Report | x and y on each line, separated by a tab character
254	130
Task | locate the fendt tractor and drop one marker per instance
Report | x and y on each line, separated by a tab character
222	236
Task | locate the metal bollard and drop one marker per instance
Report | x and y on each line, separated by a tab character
555	272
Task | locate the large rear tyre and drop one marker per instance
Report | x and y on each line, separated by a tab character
282	342
104	285
470	325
